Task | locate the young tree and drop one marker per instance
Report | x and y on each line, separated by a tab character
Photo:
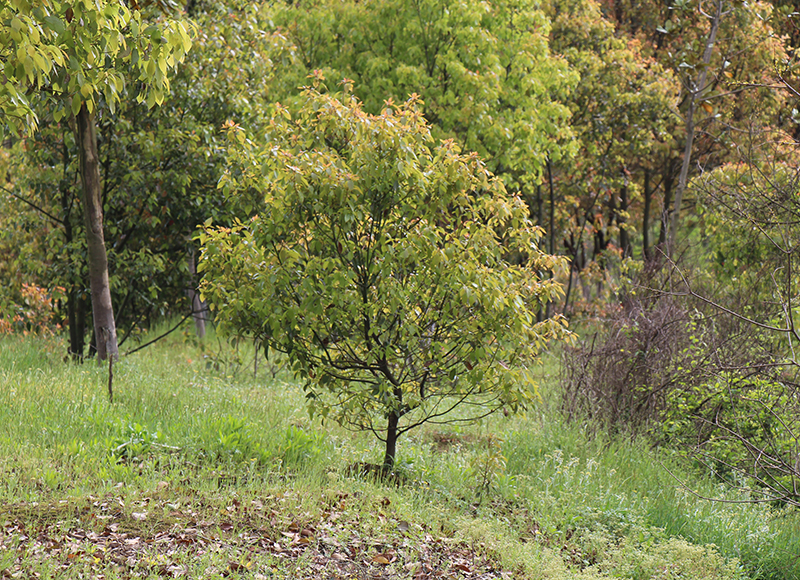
723	55
748	424
380	265
160	167
72	53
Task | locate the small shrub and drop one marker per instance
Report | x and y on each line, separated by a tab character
668	365
298	446
674	559
35	313
739	428
230	438
132	441
489	466
620	378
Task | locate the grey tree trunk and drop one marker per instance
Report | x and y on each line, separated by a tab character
696	89
198	306
102	312
648	198
622	221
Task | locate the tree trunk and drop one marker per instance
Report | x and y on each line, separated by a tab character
76	300
391	442
539	206
552	217
551	249
695	91
622	220
198	307
648	198
540	313
76	312
102	313
569	288
669	180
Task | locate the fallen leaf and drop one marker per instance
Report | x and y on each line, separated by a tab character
381	559
176	570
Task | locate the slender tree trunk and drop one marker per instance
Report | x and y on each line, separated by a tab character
624	238
552	225
198	307
76	306
669	180
695	91
391	442
648	198
76	312
539	206
102	312
568	293
551	249
540	313
74	350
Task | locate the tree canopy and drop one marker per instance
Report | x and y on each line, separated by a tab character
380	264
80	50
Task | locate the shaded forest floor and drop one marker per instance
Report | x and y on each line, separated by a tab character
207	466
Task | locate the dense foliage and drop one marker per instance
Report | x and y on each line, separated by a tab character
640	155
379	264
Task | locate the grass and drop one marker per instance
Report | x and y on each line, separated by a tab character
202	468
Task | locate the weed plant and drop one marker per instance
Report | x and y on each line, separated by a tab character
199	438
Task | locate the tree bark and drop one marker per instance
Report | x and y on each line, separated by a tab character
552	231
539	206
102	311
552	217
540	313
76	312
198	307
648	198
391	442
624	238
76	306
669	181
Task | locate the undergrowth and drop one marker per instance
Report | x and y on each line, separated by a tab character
198	428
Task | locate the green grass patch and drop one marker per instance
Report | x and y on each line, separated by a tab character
207	465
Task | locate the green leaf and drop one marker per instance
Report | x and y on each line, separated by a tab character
55	24
76	104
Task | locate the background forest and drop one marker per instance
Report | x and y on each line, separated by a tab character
621	182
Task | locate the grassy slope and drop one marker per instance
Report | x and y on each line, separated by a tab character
200	470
